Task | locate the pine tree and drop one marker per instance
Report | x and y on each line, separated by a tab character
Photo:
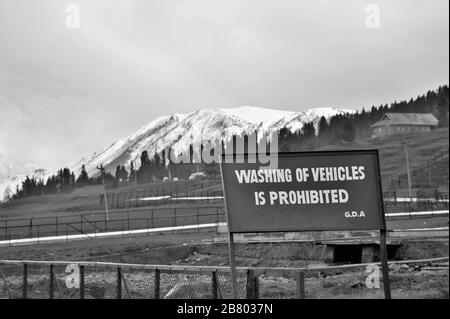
144	158
83	179
118	174
124	174
132	173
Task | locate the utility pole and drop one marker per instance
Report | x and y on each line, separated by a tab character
408	172
102	173
429	177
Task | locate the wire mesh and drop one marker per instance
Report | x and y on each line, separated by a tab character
11	281
138	284
100	282
226	285
191	285
64	283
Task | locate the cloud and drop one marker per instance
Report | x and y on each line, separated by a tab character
65	93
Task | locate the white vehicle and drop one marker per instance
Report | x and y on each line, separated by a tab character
198	175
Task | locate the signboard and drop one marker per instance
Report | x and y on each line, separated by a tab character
308	191
314	191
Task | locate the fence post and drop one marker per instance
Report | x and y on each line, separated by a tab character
51	288
198	219
157	283
152	218
251	287
25	281
300	279
119	283
214	292
174	219
81	281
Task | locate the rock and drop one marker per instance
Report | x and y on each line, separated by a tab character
357	284
394	267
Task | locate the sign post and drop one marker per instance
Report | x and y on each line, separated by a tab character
307	191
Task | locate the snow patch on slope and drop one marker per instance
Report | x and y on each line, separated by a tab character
178	131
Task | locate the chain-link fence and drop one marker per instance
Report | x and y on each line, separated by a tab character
98	280
65	280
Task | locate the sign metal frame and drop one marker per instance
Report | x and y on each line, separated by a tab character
379	194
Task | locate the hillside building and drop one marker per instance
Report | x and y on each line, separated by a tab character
404	123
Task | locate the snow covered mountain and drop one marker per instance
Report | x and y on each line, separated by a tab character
178	130
10	181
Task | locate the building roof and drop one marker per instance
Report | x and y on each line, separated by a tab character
427	119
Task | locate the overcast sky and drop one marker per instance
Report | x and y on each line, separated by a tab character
65	93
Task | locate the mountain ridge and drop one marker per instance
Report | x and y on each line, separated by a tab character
176	130
164	131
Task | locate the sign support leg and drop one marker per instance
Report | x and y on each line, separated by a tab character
384	264
232	265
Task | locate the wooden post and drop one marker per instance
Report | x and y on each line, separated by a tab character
119	283
232	265
384	264
51	287
214	286
300	285
157	283
25	281
256	286
81	281
251	286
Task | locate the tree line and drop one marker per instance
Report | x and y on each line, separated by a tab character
351	127
65	181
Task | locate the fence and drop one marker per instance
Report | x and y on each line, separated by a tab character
425	201
146	218
41	279
130	199
400	180
151	198
428	201
100	280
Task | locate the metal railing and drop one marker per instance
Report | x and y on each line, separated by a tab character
125	220
144	199
91	224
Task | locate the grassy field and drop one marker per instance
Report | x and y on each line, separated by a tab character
422	148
